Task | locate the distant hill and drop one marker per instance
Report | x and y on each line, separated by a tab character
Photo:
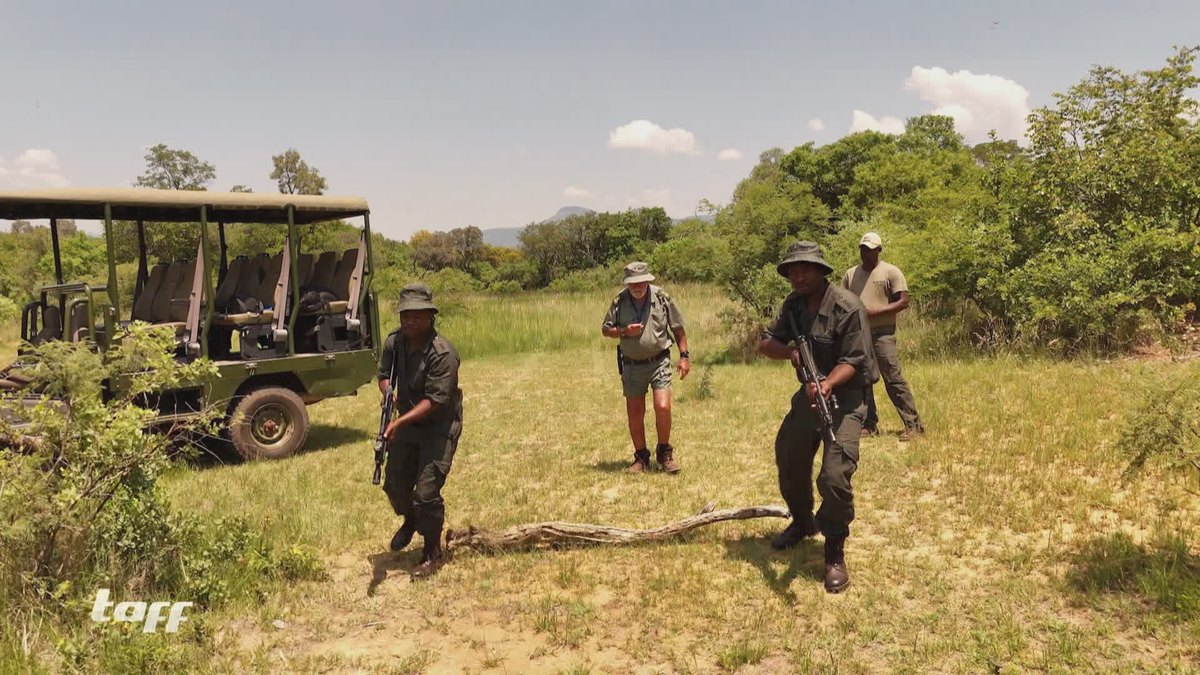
566	212
503	236
507	236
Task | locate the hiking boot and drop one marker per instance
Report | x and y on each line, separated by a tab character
432	560
795	532
837	578
665	455
403	536
641	461
908	433
869	431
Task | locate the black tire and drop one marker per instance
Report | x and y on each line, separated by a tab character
269	423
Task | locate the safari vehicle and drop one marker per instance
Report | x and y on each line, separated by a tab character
284	328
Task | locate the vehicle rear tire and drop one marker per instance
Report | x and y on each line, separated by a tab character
269	423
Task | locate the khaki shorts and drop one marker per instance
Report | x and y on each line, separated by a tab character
638	377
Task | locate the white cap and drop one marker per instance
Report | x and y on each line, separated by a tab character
871	240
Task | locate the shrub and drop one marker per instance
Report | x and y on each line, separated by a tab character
505	287
589	279
702	258
82	508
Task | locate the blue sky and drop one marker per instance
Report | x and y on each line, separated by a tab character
496	114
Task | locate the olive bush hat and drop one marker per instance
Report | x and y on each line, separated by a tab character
636	272
416	296
803	251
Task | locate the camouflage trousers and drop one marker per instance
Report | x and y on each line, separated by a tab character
415	474
796	447
888	357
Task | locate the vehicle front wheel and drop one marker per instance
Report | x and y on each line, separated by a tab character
269	423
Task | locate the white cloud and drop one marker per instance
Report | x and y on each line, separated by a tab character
815	124
978	103
646	135
729	155
573	191
35	168
866	122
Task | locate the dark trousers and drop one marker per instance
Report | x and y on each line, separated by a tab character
416	471
888	357
796	447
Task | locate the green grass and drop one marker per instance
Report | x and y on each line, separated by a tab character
1002	541
484	324
965	552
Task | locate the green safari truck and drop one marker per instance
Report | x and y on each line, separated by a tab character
286	328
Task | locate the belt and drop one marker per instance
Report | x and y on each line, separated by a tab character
641	362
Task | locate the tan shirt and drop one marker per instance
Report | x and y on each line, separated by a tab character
876	289
661	318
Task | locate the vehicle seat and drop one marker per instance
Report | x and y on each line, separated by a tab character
144	304
51	325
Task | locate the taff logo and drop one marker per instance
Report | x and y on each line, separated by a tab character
132	612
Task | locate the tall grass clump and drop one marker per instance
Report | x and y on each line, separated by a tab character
487	324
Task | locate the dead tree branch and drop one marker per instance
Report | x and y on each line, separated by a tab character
554	533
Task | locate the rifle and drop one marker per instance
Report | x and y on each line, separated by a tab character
808	374
385	418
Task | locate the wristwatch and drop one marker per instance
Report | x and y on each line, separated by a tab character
683	355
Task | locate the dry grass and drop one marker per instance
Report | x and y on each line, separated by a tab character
970	554
1003	541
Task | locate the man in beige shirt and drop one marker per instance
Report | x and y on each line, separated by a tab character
884	293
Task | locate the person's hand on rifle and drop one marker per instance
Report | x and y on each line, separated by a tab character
632	330
825	389
393	428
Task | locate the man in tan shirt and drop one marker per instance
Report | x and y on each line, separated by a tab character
884	293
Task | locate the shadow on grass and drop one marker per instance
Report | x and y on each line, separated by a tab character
214	452
612	466
327	437
1165	574
388	561
806	560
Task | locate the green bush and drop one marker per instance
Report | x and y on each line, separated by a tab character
703	258
82	508
9	311
451	281
505	287
589	279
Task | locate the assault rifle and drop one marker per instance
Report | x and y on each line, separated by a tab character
808	373
385	418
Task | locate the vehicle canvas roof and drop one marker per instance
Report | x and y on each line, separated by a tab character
175	206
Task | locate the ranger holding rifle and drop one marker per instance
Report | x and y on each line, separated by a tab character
419	368
830	322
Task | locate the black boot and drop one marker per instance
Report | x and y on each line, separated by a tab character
404	535
641	461
802	526
837	577
432	559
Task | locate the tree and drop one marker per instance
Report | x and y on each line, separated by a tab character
295	176
468	246
168	169
433	251
241	188
21	227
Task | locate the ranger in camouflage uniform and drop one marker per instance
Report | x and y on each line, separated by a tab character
644	318
835	323
424	435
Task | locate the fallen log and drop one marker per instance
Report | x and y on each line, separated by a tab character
555	533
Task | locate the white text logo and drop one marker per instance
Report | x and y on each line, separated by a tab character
133	612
